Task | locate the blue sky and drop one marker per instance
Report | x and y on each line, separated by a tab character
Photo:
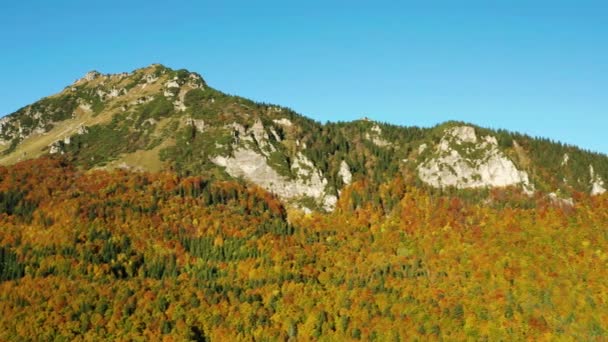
538	67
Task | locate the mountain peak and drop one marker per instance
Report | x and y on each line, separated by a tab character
154	70
91	75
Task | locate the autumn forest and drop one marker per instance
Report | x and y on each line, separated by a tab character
90	255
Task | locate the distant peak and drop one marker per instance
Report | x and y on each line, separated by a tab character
155	67
89	76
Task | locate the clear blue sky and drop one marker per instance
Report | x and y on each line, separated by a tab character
539	67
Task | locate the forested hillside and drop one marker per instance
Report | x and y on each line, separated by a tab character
124	255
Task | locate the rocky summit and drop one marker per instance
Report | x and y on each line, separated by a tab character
157	118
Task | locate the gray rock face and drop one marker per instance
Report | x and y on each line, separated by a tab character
112	93
555	198
3	123
56	147
462	134
82	130
256	135
11	127
252	149
195	81
283	122
261	136
172	84
85	107
149	78
254	167
461	161
344	173
198	124
91	75
597	183
375	136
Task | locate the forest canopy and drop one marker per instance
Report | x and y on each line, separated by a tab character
90	255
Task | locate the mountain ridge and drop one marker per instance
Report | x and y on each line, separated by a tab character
156	118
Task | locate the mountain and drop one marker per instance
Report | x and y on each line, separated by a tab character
157	118
149	206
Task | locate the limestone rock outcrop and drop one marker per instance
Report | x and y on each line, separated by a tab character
463	161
